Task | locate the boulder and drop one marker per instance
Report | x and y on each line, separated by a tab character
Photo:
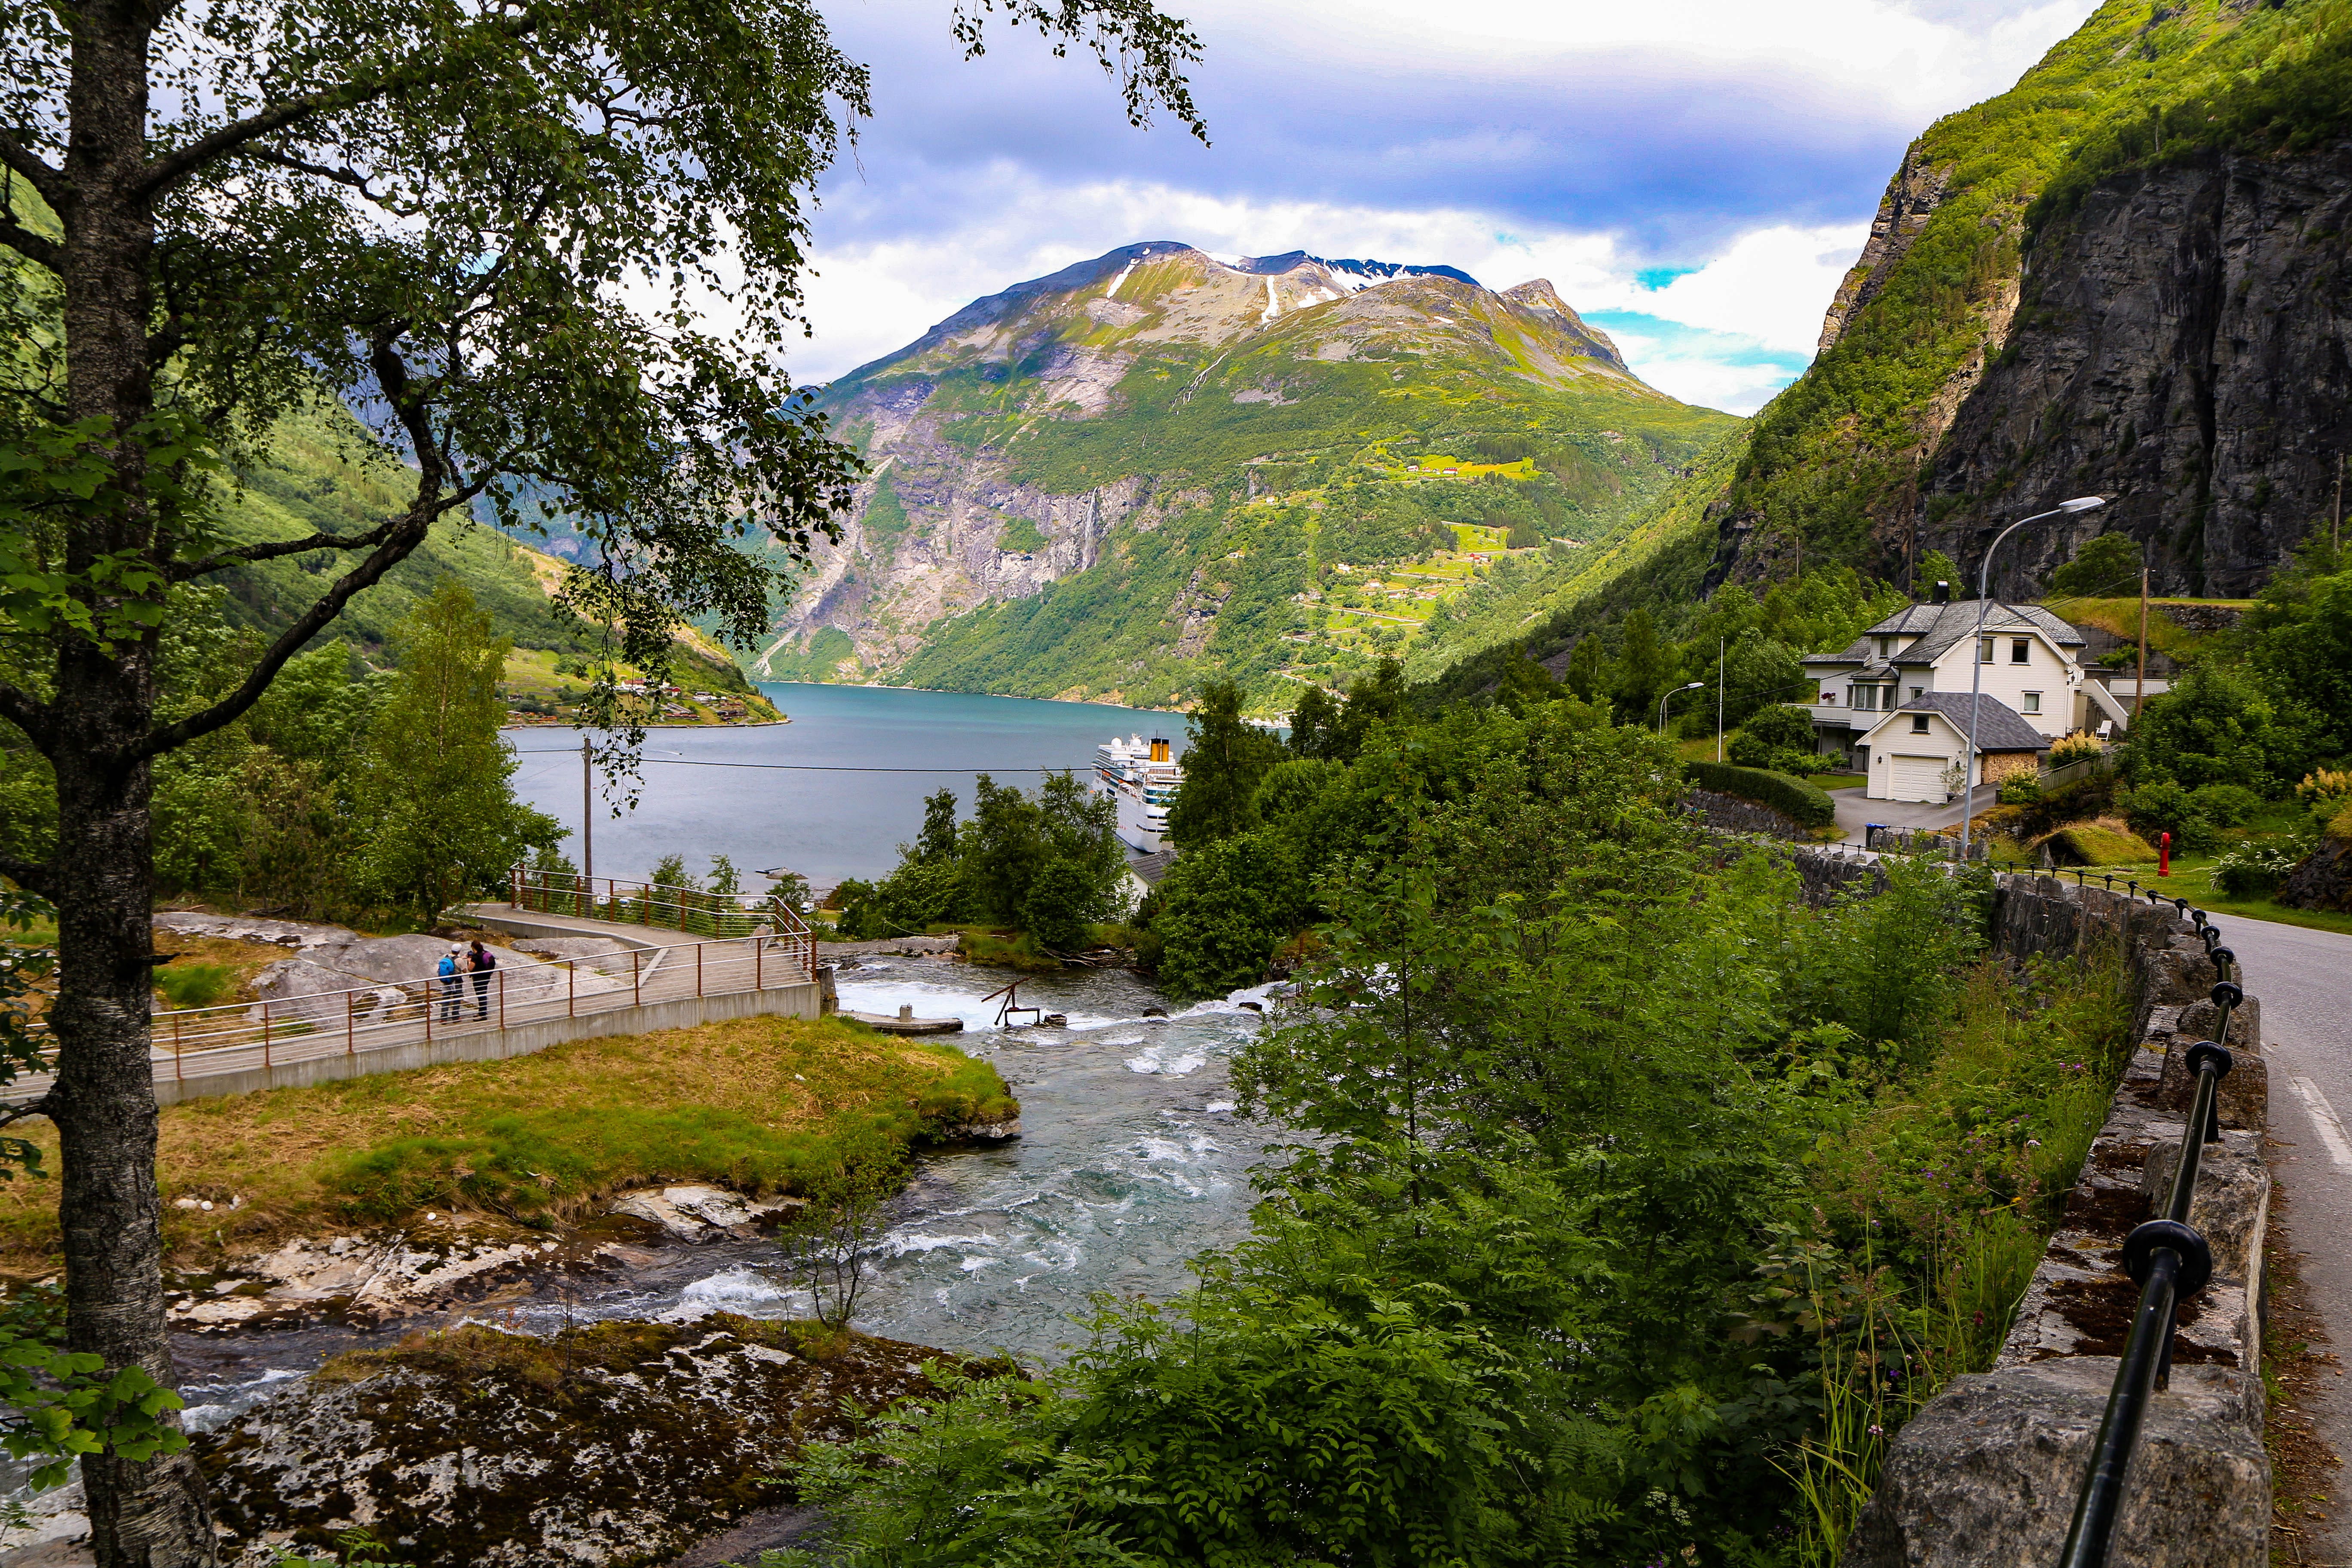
617	1443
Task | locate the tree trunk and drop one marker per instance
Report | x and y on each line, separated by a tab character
147	1514
151	1514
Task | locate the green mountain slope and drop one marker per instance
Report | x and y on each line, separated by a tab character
1159	467
1967	361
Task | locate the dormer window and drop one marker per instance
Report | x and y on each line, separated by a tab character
1883	643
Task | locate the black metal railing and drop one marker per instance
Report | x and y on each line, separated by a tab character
2169	1260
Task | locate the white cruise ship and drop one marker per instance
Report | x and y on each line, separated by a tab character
1141	777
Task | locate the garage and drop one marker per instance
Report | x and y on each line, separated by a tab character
1916	778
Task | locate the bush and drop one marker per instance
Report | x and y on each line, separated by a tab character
195	984
1792	797
2253	870
2073	747
2163	806
2227	805
2021	789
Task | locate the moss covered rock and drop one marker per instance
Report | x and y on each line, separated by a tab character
612	1445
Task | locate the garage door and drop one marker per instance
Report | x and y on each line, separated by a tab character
1918	778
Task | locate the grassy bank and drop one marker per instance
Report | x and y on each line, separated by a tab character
761	1105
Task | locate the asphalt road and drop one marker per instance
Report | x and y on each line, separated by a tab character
2304	981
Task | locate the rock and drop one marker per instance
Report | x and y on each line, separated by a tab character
575	947
252	928
616	1444
906	946
300	990
2180	321
1985	1476
2323	881
379	1277
702	1214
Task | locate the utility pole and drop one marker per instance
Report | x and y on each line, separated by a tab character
2139	687
1720	643
587	812
2335	532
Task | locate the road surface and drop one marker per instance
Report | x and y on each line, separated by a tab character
2304	980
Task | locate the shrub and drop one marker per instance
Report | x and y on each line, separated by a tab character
2228	806
2075	747
2021	789
2253	870
195	984
1793	797
2163	806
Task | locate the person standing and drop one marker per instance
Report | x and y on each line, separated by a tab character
483	961
451	986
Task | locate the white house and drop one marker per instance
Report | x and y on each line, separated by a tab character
1896	704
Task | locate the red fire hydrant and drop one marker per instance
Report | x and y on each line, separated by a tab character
2164	855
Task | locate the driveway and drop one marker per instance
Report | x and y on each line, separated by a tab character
2300	978
1853	812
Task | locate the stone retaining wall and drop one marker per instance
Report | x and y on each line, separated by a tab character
1729	814
1988	1472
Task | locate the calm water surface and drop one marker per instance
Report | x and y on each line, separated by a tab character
825	826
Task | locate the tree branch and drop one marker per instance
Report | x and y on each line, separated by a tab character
38	249
401	537
165	173
246	554
50	183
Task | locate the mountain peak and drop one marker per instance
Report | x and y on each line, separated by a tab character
1537	294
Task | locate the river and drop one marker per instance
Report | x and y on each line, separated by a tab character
1132	1160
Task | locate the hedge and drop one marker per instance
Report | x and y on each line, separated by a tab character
1790	797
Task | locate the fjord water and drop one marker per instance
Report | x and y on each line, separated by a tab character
824	825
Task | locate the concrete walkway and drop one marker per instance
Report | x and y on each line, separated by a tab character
655	979
2304	981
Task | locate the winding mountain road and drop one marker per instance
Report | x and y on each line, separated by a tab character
2304	981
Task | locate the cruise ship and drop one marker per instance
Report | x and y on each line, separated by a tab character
1142	777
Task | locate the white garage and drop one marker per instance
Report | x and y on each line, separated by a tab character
1912	748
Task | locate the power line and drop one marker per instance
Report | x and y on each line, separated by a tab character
809	767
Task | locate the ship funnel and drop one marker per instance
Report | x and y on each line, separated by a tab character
1158	748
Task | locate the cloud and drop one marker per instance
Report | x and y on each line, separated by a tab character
1701	171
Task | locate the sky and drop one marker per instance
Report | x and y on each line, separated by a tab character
1694	176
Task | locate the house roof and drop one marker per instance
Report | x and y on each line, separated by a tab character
1150	868
1999	727
1938	627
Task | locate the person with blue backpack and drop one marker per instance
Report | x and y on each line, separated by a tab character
452	984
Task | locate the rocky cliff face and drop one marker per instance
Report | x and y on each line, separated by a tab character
2183	344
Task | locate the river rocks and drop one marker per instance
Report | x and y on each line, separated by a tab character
439	1261
612	1446
902	946
704	1213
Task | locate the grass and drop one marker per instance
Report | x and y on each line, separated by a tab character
761	1105
1002	948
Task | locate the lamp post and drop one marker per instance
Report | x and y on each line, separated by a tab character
1975	647
1669	697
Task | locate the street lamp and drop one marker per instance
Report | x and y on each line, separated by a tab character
1976	647
1669	697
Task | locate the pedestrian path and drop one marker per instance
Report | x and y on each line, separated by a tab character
649	978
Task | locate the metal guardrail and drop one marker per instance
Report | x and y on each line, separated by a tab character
2166	1258
658	904
192	1044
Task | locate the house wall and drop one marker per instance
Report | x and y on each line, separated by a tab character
2047	671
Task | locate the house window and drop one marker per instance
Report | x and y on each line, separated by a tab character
2034	702
1984	650
1882	648
1918	723
1918	692
2020	650
1866	696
